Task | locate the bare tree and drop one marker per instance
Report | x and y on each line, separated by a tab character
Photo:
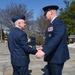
13	9
42	23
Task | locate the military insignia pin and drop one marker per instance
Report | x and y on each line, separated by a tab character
50	29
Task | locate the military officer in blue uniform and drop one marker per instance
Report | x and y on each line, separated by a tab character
18	46
55	46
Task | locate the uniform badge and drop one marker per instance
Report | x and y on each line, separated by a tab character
49	35
50	29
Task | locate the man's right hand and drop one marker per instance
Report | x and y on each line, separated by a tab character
39	54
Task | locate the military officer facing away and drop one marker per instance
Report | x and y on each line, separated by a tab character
19	48
55	46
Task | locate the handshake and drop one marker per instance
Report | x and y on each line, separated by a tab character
40	53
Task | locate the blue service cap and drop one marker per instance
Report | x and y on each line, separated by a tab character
17	17
48	8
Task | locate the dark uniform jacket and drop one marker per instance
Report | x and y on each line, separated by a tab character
19	48
55	46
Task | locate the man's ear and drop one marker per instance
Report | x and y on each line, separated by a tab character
19	24
51	12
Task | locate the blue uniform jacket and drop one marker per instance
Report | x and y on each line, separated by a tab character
19	47
55	46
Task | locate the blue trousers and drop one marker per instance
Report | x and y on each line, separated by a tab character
55	69
20	70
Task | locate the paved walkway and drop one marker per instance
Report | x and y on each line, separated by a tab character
71	45
36	66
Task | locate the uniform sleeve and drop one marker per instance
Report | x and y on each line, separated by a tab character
25	45
55	39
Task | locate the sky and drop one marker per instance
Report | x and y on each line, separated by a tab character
35	5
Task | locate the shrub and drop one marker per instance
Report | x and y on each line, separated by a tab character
39	41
